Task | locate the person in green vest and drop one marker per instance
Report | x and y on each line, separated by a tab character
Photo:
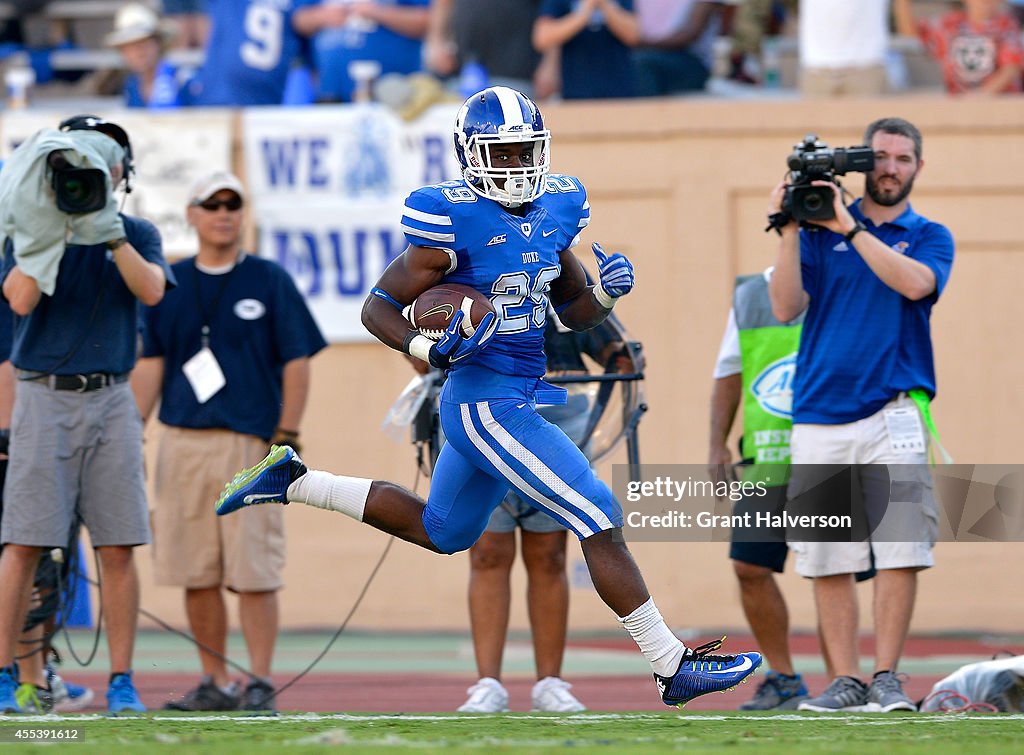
755	367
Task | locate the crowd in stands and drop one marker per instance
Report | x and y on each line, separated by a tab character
253	52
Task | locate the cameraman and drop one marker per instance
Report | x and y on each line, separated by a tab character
76	436
868	279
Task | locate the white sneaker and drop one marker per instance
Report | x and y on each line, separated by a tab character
552	695
486	696
67	697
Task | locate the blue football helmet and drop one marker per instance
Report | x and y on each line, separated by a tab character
500	115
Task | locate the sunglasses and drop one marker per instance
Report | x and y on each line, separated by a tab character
234	204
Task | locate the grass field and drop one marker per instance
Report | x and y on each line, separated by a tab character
788	734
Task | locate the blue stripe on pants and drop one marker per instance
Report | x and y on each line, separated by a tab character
492	444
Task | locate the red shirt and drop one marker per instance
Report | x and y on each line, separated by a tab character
971	53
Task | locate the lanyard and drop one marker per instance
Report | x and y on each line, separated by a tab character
205	331
920	398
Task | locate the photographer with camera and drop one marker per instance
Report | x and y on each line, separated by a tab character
868	276
76	435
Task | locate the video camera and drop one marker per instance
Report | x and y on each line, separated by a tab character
78	190
812	160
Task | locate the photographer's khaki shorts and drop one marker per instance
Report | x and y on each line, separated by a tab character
192	546
865	442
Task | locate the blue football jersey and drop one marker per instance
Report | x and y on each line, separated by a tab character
509	258
251	48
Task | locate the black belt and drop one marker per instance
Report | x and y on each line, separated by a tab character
82	383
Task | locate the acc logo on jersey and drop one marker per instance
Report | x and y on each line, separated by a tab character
901	246
773	387
250	309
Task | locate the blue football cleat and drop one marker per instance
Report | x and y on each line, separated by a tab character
701	672
267	482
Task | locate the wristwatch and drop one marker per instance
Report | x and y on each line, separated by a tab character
855	230
118	242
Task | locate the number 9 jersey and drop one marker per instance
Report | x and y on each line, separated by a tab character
250	50
509	258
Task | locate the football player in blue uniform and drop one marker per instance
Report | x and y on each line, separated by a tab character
507	230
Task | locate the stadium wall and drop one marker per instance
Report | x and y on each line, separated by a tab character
681	187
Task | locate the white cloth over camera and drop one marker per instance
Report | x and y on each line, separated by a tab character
29	214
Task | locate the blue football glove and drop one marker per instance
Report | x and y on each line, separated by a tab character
616	272
454	347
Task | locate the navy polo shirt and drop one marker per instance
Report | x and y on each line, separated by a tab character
90	322
258	322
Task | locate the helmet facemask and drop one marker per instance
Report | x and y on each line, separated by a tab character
509	187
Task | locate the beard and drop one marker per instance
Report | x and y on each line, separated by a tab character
886	197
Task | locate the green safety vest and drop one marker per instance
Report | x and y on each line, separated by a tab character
768	351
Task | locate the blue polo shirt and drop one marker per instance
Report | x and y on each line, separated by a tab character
862	342
258	322
90	322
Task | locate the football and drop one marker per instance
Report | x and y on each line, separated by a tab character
433	310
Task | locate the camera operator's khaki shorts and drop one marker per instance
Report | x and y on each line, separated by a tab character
192	546
865	442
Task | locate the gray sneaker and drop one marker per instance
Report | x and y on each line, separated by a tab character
777	692
886	693
207	696
844	693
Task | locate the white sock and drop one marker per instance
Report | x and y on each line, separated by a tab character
660	647
332	492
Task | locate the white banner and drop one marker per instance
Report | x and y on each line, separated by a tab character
171	150
327	188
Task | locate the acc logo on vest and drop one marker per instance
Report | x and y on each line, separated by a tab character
773	387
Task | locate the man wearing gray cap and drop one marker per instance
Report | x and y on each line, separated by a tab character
228	356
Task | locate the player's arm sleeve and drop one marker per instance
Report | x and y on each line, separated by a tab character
728	361
427	222
582	217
